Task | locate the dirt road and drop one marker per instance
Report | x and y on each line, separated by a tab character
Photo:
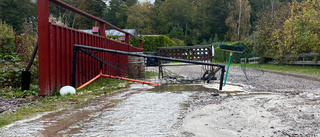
271	105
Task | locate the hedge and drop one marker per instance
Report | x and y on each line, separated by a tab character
150	43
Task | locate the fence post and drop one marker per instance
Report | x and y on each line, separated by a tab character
43	49
127	38
102	29
140	42
74	66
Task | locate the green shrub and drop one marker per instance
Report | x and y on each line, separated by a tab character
179	42
10	71
7	44
150	43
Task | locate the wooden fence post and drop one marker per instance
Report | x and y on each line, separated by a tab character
43	49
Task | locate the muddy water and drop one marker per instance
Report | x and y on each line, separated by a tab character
138	111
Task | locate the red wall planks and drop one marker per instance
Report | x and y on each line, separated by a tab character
56	51
60	56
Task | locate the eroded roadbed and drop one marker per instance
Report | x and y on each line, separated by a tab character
181	110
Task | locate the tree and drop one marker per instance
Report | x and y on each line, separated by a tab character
176	13
6	39
155	16
16	12
130	3
116	12
140	17
93	7
210	18
239	19
121	16
301	31
177	32
110	12
269	36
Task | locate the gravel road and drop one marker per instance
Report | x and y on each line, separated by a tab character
273	104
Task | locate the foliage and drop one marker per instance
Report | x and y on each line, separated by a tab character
12	64
7	44
239	20
150	74
302	30
176	32
29	39
291	31
16	12
10	71
18	93
139	17
150	43
175	13
311	70
93	7
178	41
117	12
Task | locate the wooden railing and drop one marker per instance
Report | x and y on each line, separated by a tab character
302	59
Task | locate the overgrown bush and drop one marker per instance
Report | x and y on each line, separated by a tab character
7	44
12	64
10	71
178	41
150	43
290	29
29	39
18	93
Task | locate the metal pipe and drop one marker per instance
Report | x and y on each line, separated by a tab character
223	69
148	56
74	66
35	50
69	7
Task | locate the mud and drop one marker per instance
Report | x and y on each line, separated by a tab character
270	105
10	104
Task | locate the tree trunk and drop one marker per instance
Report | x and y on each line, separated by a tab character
239	24
272	4
186	29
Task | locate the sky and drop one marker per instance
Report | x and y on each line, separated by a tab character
152	1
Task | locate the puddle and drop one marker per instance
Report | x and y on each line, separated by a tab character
181	88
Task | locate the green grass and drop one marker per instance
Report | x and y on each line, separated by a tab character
311	70
150	74
56	102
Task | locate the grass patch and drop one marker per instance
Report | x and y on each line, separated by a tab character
311	70
56	102
116	101
150	74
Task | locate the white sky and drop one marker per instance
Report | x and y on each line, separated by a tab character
152	1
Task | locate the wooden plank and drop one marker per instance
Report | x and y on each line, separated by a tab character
303	55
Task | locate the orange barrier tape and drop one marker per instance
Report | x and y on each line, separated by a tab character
115	77
90	81
128	79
